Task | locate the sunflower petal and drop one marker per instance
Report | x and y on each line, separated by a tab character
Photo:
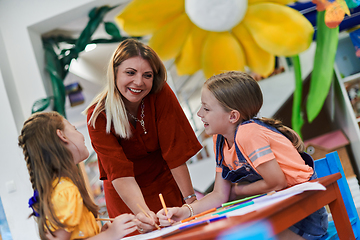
189	60
221	53
168	40
143	17
279	30
258	60
282	2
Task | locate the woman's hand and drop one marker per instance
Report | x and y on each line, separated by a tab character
146	224
175	214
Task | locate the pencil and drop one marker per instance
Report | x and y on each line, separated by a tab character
164	206
235	207
147	215
104	219
198	215
241	200
247	198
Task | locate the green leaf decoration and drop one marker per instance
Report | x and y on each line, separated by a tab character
352	3
297	120
57	74
41	105
92	12
327	41
112	29
58	65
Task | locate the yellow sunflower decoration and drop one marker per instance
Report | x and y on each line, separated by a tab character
218	35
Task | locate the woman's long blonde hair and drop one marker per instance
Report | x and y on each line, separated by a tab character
110	98
239	91
47	160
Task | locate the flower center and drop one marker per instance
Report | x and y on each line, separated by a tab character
216	15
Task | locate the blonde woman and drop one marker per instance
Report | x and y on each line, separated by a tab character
141	136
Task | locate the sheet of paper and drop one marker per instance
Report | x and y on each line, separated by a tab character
267	200
154	234
260	202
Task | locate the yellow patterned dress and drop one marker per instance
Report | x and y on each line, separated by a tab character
69	208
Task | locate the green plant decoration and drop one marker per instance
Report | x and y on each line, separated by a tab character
326	45
57	65
297	119
321	77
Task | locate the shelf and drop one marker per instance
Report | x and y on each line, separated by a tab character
351	78
347	64
346	109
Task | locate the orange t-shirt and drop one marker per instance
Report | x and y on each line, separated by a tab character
259	144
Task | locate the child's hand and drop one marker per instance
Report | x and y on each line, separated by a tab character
59	234
146	224
105	227
175	214
122	225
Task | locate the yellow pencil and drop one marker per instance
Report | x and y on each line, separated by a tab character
164	206
147	215
104	219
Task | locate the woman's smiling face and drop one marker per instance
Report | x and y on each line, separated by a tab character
134	79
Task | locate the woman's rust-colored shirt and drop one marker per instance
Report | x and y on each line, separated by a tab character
170	141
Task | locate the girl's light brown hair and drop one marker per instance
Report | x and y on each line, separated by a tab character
47	160
110	98
239	91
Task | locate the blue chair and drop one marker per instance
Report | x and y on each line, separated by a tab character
329	165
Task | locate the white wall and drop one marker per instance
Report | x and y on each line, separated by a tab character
15	187
22	82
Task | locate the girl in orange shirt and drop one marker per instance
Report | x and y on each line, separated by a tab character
253	155
61	204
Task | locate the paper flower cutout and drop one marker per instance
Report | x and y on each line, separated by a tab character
334	11
218	35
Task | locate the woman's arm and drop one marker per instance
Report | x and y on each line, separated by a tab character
183	180
130	193
273	179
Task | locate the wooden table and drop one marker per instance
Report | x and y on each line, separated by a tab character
284	214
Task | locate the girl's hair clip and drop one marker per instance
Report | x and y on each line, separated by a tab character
34	199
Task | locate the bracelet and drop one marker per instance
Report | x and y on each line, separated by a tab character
190	208
190	196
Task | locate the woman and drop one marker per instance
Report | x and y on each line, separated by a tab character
141	136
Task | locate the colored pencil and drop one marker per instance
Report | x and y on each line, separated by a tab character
198	215
147	215
164	206
246	199
104	219
241	200
234	208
